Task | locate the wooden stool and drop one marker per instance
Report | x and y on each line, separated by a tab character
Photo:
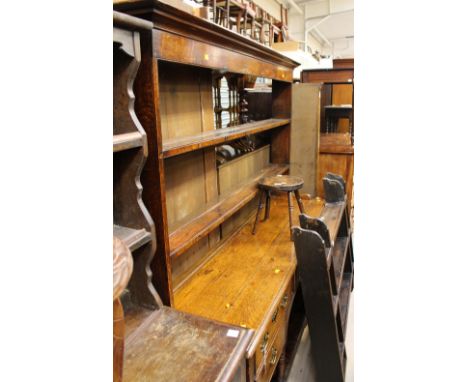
283	183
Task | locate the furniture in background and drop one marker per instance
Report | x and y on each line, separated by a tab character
305	134
324	253
275	184
305	119
336	145
334	116
247	18
343	63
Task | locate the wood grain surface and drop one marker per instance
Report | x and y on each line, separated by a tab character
173	346
328	75
196	227
184	144
242	282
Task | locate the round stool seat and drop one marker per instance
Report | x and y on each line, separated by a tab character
281	183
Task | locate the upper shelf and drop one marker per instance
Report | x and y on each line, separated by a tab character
176	146
339	107
195	228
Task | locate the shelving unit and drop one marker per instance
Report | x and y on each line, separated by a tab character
336	143
196	204
334	116
326	268
145	331
197	227
132	223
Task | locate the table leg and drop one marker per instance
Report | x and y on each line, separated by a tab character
290	208
299	201
260	207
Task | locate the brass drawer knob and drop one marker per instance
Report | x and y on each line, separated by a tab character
284	302
275	315
274	356
265	343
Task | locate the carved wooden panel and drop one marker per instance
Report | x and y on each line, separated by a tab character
132	222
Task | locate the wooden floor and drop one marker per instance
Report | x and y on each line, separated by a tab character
238	284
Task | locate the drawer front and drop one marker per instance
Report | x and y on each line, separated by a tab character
272	357
276	323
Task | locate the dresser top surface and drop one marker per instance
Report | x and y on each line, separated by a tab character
240	284
175	346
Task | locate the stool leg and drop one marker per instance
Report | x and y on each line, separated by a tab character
299	201
260	207
267	206
290	208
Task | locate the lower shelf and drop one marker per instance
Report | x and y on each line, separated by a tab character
133	238
193	229
127	141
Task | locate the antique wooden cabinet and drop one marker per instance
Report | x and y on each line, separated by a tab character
336	146
204	263
153	342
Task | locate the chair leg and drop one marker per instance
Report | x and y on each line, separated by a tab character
290	208
245	23
215	12
267	206
260	207
227	14
299	201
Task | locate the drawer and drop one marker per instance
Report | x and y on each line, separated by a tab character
272	357
276	323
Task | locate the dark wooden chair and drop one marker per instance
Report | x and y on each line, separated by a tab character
278	183
325	264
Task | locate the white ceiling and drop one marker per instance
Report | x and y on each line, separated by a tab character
331	24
